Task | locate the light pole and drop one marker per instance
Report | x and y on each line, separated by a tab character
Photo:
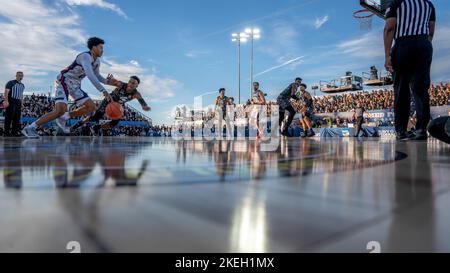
239	38
254	34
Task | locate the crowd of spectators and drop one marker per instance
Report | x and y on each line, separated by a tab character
440	94
37	105
375	100
329	106
160	130
129	131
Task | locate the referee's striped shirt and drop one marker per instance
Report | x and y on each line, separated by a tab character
15	89
413	17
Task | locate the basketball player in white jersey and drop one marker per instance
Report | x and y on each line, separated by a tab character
68	84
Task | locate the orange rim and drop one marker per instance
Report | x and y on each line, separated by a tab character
359	14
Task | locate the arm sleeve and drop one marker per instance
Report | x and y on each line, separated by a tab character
391	11
99	77
85	61
433	13
140	99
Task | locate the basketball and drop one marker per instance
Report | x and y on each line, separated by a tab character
114	110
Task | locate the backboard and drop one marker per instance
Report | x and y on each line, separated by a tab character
378	7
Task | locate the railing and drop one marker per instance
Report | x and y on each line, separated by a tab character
148	119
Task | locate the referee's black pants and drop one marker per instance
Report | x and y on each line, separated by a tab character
12	117
411	59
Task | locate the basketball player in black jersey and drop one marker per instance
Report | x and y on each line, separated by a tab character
307	111
124	92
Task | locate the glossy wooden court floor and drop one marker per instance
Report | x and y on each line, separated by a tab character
165	195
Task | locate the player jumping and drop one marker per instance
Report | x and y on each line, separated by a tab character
68	83
124	92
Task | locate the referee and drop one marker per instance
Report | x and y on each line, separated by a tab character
358	116
13	105
411	23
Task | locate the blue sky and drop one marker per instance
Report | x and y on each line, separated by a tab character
182	49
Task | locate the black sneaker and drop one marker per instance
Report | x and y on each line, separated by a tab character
18	134
286	134
416	136
95	130
76	126
402	136
311	133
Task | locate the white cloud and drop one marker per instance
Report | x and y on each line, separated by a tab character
98	3
441	60
49	40
46	39
370	48
196	54
321	21
152	87
190	55
134	62
370	45
282	38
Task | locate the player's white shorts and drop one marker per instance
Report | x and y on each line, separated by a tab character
65	87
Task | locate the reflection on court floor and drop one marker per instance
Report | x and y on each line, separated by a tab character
163	195
89	162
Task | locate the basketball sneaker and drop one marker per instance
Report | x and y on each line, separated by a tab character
95	130
30	132
76	126
61	122
311	133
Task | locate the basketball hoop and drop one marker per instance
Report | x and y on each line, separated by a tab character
364	17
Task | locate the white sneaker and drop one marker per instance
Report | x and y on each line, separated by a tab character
30	132
61	122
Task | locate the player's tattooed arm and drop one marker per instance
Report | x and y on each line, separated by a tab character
110	80
142	102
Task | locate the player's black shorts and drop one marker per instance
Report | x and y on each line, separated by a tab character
100	114
309	113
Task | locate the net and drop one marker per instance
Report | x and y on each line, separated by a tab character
364	18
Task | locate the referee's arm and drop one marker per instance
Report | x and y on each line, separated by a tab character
389	33
432	28
432	23
7	90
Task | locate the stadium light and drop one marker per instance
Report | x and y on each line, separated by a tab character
253	34
239	38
